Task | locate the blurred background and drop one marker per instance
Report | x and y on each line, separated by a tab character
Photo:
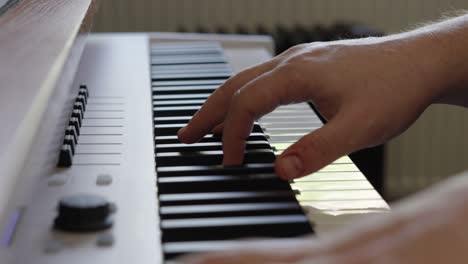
434	148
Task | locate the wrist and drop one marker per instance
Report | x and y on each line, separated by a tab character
441	53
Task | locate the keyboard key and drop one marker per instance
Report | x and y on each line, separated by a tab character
234	227
212	157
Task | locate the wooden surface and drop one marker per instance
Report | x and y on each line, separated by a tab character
40	46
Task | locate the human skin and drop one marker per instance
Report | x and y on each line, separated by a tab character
369	90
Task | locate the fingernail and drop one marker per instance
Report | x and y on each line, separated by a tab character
291	166
181	132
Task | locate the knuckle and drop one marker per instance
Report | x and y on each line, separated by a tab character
287	68
298	59
292	72
238	101
289	51
315	151
317	144
241	104
285	55
295	48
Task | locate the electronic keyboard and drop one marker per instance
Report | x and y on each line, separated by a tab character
106	180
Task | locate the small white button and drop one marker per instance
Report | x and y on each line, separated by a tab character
57	180
52	247
105	240
104	179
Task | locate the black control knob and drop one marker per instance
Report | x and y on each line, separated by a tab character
84	213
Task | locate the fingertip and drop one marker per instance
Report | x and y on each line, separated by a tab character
184	136
181	134
289	166
232	161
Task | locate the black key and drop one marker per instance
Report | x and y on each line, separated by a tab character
175	110
174	171
215	66
193	229
167	71
214	177
226	197
205	184
178	52
194	102
167	129
212	157
176	97
184	89
175	249
204	146
161	120
226	210
181	61
171	129
157	84
208	138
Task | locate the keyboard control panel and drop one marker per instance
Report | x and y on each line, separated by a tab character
92	196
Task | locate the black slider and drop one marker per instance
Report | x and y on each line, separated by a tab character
81	98
78	114
65	157
79	106
72	132
71	141
84	91
75	122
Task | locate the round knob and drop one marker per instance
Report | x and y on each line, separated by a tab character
83	213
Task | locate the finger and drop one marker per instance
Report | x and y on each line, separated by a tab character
318	148
258	256
233	257
218	129
255	99
214	109
260	251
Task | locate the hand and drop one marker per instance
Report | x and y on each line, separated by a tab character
430	228
369	90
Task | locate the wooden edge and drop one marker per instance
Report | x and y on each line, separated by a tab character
62	66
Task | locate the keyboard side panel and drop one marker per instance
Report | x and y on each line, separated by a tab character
116	143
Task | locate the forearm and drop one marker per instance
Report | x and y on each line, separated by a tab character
440	51
428	228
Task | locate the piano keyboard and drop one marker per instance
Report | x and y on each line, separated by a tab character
201	202
161	198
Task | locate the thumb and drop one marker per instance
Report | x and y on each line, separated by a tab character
318	148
